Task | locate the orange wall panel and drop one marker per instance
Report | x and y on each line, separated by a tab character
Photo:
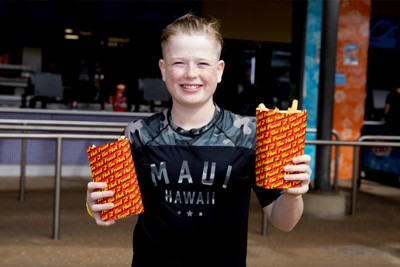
351	63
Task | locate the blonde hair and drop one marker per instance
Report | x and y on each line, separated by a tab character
191	24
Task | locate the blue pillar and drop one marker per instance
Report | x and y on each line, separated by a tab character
311	72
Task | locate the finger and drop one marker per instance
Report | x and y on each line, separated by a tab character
302	159
297	190
106	223
303	168
94	196
92	186
99	207
101	222
296	177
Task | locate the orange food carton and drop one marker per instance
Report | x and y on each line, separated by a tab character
113	164
280	137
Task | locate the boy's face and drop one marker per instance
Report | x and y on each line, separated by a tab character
191	69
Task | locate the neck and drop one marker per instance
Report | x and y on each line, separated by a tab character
190	118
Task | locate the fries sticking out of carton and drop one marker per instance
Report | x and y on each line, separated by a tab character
280	137
293	108
113	164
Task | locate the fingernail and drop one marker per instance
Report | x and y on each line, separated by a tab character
286	169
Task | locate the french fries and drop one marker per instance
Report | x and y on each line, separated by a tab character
119	139
293	108
290	110
262	107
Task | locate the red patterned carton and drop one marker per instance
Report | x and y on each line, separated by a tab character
113	164
280	138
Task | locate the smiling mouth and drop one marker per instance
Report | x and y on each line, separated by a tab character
191	87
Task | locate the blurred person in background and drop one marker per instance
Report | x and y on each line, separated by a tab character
392	111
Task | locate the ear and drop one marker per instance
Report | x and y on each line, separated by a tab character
161	65
220	70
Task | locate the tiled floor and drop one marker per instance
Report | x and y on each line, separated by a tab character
370	238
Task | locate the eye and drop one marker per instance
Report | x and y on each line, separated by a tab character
178	63
204	64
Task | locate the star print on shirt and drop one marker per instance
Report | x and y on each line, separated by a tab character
190	213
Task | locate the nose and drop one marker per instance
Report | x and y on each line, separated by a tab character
191	71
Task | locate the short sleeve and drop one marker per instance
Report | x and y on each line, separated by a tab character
266	196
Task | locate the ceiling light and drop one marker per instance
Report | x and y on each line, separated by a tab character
71	36
118	40
85	33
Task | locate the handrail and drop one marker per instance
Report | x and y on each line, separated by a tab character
61	137
57	183
356	161
264	220
61	128
336	170
354	181
43	125
63	123
37	126
378	137
14	125
26	127
356	144
55	135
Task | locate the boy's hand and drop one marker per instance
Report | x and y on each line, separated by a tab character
92	197
303	174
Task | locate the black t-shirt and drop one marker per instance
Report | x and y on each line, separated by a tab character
196	189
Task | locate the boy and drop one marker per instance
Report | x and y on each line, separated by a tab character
196	164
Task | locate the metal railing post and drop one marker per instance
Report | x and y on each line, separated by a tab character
264	223
354	182
22	178
335	176
57	190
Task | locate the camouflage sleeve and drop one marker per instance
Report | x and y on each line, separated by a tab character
130	130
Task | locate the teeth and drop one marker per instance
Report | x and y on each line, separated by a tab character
190	86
